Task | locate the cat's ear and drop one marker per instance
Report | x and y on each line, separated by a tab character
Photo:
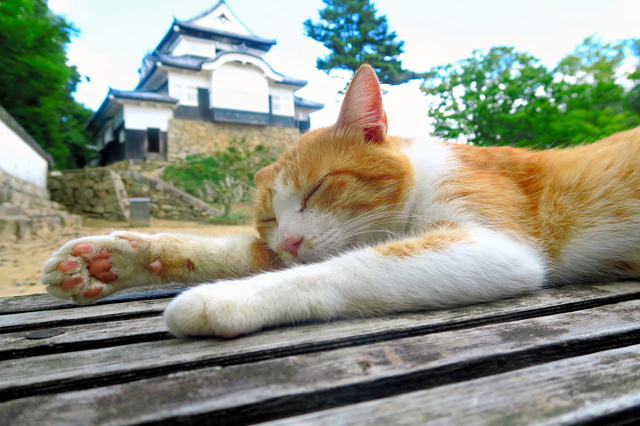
362	106
262	173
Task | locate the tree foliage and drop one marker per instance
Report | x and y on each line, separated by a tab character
36	84
354	34
504	97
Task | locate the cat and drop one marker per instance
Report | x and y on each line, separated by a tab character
353	222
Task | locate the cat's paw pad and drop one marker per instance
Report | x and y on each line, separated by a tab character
91	268
213	310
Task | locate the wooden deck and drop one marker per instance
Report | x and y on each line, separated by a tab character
561	356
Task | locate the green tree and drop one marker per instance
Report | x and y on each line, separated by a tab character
497	98
355	35
592	102
504	97
36	84
634	93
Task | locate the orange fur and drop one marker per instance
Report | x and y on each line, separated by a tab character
444	235
549	196
356	175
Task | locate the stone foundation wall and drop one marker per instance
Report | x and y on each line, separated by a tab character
26	210
105	193
20	193
91	192
166	201
190	137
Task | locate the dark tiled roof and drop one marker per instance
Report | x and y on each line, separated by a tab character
305	103
140	95
243	51
268	42
195	63
193	30
136	95
7	119
186	61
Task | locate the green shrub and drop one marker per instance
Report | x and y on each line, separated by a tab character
224	178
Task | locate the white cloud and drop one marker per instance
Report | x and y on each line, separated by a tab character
60	7
103	72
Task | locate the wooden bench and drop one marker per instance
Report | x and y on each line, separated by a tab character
559	356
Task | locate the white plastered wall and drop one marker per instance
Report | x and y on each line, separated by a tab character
20	160
141	117
184	85
282	100
238	87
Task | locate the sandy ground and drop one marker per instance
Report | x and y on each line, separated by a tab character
21	262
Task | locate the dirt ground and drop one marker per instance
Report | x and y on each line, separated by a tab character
21	262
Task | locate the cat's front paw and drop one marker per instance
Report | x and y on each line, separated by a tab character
90	268
226	309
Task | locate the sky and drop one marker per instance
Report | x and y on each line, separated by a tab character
114	36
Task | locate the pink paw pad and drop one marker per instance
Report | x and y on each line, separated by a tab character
100	268
82	248
68	265
93	291
71	282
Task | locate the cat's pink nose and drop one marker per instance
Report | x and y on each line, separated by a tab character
292	243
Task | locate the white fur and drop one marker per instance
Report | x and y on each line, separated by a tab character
362	281
359	283
591	254
432	161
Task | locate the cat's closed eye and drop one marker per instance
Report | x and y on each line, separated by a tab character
309	195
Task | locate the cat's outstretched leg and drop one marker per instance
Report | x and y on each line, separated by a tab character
90	268
447	267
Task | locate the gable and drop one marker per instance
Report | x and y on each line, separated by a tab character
221	18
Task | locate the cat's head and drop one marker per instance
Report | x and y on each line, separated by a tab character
338	186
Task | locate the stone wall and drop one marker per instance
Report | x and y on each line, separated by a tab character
166	201
105	193
25	209
19	192
91	192
189	137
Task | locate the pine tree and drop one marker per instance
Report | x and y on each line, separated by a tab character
355	35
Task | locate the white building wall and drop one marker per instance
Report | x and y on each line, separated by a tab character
20	160
139	117
282	101
184	86
302	114
244	88
194	46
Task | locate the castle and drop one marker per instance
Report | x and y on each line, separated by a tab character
205	84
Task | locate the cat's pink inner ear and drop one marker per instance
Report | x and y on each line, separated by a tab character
362	106
262	173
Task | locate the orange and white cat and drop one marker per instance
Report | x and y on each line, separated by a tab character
353	222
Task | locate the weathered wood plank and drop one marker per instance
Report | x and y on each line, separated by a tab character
302	383
82	337
45	302
355	331
81	315
583	389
